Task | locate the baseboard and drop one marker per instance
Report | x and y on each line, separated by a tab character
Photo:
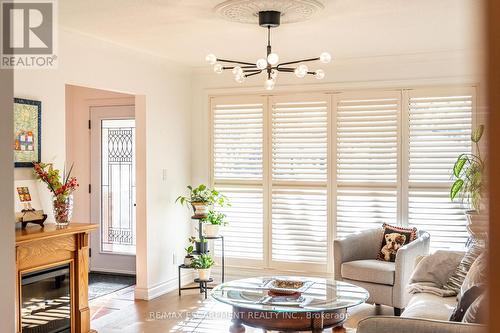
112	271
163	287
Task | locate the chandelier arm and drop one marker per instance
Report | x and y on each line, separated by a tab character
253	73
285	69
298	61
235	62
242	67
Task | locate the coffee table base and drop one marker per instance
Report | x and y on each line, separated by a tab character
288	321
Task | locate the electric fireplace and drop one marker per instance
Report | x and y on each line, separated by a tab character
46	300
52	279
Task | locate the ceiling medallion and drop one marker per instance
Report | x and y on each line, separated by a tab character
269	65
246	11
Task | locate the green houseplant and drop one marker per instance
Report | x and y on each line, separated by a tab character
213	221
201	197
469	185
201	245
188	259
203	264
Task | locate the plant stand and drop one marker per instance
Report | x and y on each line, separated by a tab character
202	285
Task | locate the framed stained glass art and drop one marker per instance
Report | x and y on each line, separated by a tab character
27	132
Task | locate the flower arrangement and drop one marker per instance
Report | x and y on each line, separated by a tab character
61	188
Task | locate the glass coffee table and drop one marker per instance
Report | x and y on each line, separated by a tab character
321	303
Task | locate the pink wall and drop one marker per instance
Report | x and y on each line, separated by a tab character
78	101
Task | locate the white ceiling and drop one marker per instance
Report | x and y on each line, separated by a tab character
185	31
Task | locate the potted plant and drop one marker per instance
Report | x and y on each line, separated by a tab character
200	198
201	245
213	221
61	187
203	265
188	259
469	185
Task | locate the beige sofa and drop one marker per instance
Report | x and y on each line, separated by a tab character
424	313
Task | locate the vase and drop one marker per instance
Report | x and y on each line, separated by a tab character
204	274
62	206
211	230
188	261
201	247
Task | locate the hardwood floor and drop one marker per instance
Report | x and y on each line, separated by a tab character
120	313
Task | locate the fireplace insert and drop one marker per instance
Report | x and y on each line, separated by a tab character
46	300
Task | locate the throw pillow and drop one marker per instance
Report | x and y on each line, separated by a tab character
456	280
477	311
393	238
476	274
465	302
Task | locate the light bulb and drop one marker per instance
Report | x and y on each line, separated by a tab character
261	63
237	70
301	71
269	84
211	59
240	78
274	74
325	57
273	59
218	68
319	74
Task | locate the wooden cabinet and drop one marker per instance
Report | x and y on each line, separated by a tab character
42	248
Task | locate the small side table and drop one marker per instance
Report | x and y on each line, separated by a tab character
203	284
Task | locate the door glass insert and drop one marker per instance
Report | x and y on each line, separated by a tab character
118	187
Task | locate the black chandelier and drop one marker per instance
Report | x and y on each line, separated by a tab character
270	65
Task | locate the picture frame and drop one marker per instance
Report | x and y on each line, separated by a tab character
27	201
27	137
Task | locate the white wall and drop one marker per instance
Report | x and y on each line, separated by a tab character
164	91
354	73
7	245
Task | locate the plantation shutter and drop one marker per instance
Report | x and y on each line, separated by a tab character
237	140
439	129
299	174
237	144
244	235
367	144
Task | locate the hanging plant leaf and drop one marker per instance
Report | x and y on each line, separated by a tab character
477	134
459	165
455	189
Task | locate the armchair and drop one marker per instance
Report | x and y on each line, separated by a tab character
356	262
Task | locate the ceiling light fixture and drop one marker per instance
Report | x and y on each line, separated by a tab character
269	65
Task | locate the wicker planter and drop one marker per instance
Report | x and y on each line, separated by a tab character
477	225
200	209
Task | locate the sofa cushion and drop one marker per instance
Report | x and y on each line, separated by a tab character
456	280
393	239
465	301
430	306
476	274
478	311
371	270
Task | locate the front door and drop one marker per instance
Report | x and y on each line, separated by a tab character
113	189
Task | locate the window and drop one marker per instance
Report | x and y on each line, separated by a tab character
439	127
367	143
238	133
299	181
301	169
